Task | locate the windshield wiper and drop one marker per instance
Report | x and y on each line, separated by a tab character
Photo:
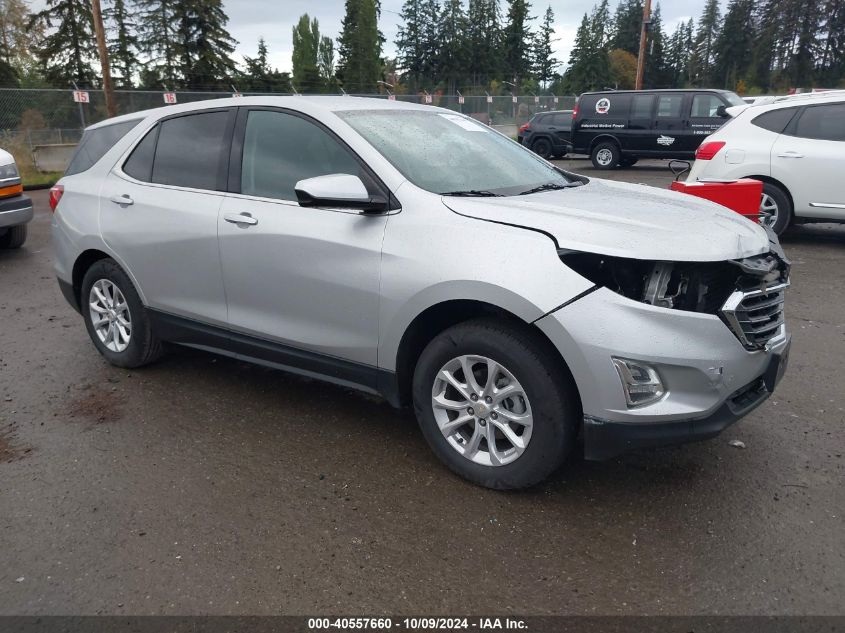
549	186
471	192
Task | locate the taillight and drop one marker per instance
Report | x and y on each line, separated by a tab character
524	127
708	150
55	195
575	112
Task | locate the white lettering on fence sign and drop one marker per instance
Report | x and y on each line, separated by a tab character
81	96
170	97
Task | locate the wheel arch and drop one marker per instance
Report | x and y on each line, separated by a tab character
602	138
437	318
84	261
777	183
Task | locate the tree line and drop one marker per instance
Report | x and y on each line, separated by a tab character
474	46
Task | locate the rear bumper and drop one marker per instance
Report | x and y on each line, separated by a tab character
15	211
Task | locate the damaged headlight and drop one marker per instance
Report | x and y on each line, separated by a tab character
692	286
8	172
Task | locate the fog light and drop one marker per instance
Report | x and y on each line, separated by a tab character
640	382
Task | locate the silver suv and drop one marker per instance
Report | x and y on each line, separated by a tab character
412	252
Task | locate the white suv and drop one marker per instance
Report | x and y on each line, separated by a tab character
796	147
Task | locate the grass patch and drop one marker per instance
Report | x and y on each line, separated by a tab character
32	177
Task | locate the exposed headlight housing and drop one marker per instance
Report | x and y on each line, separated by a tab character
640	382
8	171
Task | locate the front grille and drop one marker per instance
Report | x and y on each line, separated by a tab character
756	316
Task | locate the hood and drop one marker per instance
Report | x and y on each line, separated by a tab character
624	220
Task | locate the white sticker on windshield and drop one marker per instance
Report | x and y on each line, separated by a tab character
467	124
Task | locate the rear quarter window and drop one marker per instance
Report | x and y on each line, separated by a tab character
95	143
774	120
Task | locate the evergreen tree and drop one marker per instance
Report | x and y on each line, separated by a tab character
305	57
677	57
516	41
452	52
484	36
735	44
705	40
158	42
67	52
589	62
259	76
656	73
204	46
359	47
19	37
325	62
627	26
832	57
545	62
411	42
122	43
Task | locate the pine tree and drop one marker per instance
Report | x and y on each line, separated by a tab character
67	52
832	57
452	52
259	76
627	25
410	42
656	74
545	62
516	41
705	40
735	45
122	42
305	57
158	42
484	36
359	47
677	58
204	46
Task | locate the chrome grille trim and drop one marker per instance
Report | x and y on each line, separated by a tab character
756	316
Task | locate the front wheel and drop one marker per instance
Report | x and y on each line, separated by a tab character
495	405
775	208
605	155
115	318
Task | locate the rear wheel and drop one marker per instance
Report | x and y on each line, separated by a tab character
605	155
14	237
115	318
494	405
542	147
775	208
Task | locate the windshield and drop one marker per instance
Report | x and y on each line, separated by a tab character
733	98
451	154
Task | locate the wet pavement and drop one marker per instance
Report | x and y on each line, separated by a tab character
205	485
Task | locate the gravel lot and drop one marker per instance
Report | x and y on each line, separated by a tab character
205	485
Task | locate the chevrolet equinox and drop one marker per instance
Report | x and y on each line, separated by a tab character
411	252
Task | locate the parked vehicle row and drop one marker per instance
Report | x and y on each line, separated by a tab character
15	207
795	146
517	307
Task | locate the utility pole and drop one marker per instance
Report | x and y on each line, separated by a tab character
100	31
643	38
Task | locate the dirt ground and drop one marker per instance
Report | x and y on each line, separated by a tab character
202	485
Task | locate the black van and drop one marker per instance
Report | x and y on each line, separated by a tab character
618	127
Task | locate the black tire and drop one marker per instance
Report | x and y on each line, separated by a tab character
628	162
784	207
604	160
14	237
542	147
560	154
143	347
553	398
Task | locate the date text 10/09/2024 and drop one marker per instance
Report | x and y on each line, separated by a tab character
417	624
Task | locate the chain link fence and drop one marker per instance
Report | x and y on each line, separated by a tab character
32	119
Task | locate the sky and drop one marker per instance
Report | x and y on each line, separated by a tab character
274	20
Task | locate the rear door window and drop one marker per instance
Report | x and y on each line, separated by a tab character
95	143
190	149
776	120
139	165
641	106
669	106
822	122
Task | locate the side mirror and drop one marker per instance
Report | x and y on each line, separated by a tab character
722	112
340	191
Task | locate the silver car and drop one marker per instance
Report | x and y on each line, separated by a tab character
412	252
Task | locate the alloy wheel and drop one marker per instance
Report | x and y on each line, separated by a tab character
768	210
482	410
604	157
110	315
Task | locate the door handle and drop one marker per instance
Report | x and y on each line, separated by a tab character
125	200
790	154
240	218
